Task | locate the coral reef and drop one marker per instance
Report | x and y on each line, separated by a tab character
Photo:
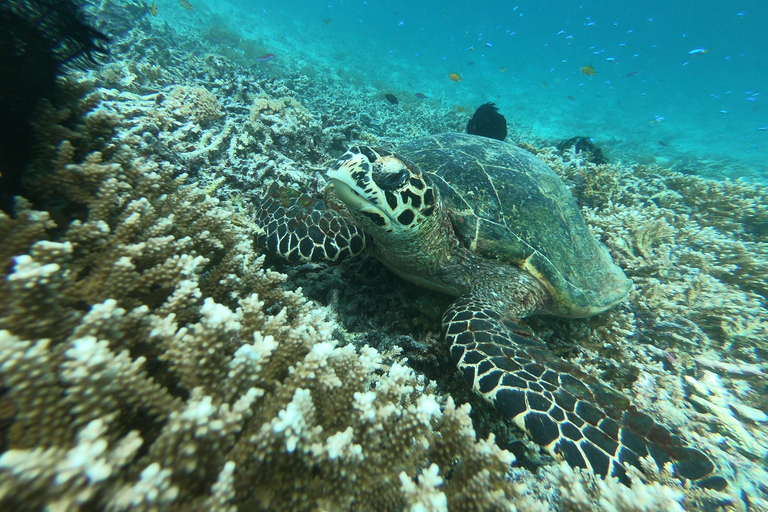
39	40
694	330
151	360
488	122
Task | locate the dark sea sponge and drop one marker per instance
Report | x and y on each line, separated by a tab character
487	122
584	145
39	39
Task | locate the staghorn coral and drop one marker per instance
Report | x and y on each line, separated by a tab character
691	345
218	364
149	362
581	491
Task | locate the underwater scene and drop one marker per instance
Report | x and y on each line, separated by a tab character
383	255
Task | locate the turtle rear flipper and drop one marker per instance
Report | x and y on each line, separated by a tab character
566	412
302	228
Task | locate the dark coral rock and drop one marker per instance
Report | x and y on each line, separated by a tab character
487	122
584	145
39	39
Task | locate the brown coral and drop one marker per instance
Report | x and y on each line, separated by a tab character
150	362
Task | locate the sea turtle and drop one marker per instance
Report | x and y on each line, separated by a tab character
491	224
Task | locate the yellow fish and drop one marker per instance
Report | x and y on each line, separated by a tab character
186	5
588	70
455	77
153	9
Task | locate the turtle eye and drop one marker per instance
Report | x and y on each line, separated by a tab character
391	180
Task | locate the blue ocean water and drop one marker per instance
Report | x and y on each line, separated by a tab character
678	83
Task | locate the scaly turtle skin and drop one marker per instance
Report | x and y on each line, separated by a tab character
491	224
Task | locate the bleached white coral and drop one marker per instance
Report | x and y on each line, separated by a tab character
71	474
710	393
199	412
427	408
581	491
341	443
424	496
217	316
31	272
153	488
364	403
293	419
254	354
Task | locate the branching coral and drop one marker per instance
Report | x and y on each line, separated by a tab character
149	362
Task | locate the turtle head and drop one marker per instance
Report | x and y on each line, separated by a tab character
385	192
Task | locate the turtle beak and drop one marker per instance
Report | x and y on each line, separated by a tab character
354	185
351	197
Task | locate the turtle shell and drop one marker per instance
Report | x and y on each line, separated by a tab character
506	204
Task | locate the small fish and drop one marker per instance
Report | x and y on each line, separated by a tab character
459	108
153	9
662	143
502	69
455	77
699	51
392	99
266	57
185	4
471	49
570	97
328	21
421	96
489	45
657	119
762	128
633	73
544	84
588	70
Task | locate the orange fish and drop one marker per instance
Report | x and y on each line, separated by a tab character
153	9
455	77
588	70
186	5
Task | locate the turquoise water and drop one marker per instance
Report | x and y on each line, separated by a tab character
649	100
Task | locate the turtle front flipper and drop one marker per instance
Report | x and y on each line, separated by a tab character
563	410
303	228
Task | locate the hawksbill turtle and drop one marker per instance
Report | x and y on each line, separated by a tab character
491	224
